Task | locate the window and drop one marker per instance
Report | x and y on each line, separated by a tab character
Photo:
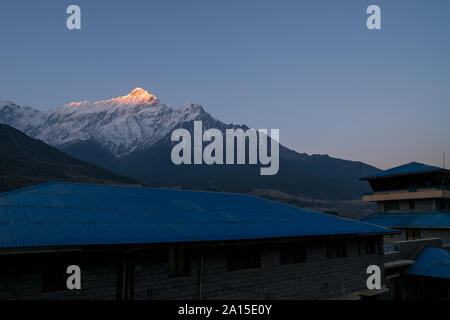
391	205
55	275
441	204
412	205
292	253
125	278
336	248
244	258
412	234
380	245
366	246
179	262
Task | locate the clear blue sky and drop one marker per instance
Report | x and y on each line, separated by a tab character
310	68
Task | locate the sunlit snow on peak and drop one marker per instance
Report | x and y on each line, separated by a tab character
120	125
136	97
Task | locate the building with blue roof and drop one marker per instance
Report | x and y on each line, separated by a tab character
415	199
144	243
67	214
433	263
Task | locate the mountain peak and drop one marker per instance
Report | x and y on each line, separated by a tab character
4	103
189	106
136	97
138	92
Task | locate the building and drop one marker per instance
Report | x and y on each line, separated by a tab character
415	199
142	243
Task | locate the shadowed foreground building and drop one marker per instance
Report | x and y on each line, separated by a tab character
142	243
415	199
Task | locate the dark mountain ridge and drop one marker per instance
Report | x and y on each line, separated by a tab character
26	161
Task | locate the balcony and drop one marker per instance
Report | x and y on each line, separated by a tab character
408	194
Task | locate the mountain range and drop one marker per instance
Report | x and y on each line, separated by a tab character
130	135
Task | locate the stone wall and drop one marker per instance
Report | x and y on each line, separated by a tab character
21	277
317	278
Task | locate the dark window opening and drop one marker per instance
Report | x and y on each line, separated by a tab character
336	248
55	278
366	246
55	274
412	205
441	204
292	253
412	234
391	205
245	257
380	245
423	180
179	262
125	278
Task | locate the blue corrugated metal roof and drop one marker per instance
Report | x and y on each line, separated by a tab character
432	262
413	167
411	219
61	214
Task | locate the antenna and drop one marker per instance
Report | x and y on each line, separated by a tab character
360	176
443	176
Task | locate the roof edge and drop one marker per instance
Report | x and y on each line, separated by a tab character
34	186
81	247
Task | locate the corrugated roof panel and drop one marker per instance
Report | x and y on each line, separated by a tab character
64	214
432	262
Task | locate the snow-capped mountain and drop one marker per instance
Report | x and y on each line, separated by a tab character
131	136
25	118
120	125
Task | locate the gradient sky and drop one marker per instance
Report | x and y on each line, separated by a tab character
310	68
